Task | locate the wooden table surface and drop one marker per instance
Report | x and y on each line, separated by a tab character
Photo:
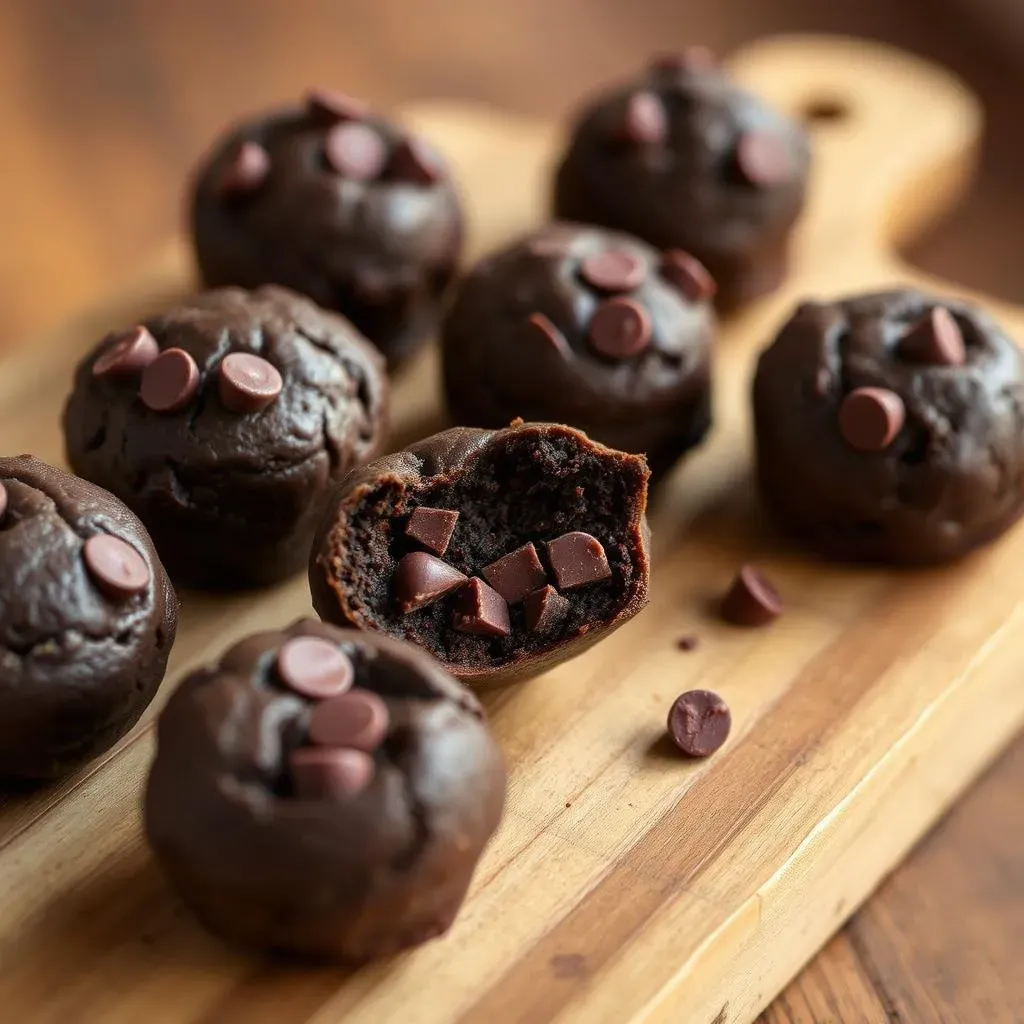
104	104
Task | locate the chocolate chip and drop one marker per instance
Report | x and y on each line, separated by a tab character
3	500
422	579
613	270
325	773
247	382
693	59
543	328
115	566
246	170
357	719
128	354
751	600
545	610
335	106
413	162
314	667
935	340
432	527
645	121
481	610
763	158
514	575
577	560
689	642
169	382
689	275
699	722
356	151
870	418
619	329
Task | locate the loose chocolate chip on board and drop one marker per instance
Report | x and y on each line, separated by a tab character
751	600
356	151
688	274
514	575
335	106
613	270
358	719
422	579
699	722
314	667
326	773
935	340
549	333
169	382
432	527
3	500
413	162
688	642
246	170
545	610
115	566
128	354
247	382
481	610
870	418
764	159
577	560
645	122
620	329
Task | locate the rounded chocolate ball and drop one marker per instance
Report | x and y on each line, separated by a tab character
339	204
890	427
87	620
229	441
593	328
685	159
343	826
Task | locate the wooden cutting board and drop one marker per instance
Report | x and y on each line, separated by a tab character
625	884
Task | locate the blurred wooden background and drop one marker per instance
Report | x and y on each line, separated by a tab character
105	104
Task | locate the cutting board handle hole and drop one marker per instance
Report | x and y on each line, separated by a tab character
822	111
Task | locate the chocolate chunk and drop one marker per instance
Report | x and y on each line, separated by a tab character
613	270
413	162
481	610
356	151
357	719
514	575
247	382
763	158
432	527
577	560
543	328
688	274
688	642
751	600
128	354
335	106
169	382
115	566
699	722
3	500
422	579
314	667
620	329
545	610
325	773
870	418
246	170
935	340
645	121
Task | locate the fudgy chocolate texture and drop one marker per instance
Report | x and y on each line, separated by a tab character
500	364
79	662
872	445
232	498
527	484
684	158
379	245
345	878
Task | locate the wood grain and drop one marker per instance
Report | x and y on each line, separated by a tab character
660	889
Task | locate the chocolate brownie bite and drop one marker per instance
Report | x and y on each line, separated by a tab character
589	327
890	427
339	204
323	792
547	555
224	424
87	620
684	158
